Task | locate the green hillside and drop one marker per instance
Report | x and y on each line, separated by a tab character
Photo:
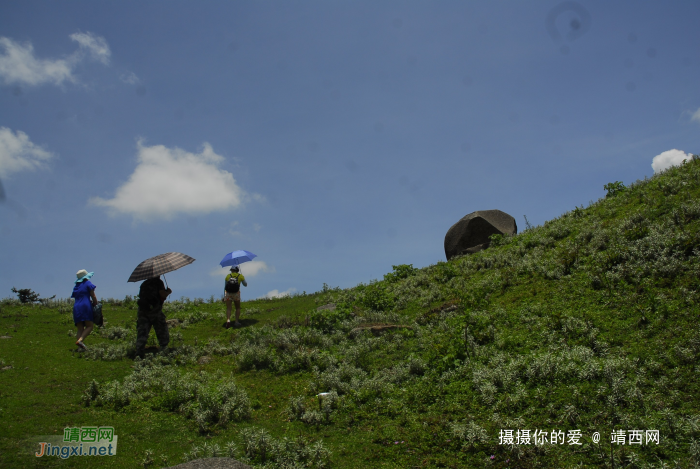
586	324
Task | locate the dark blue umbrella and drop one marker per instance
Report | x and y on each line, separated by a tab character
237	258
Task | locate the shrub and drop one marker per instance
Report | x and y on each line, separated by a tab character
400	272
614	188
116	333
496	240
26	295
255	357
162	387
208	450
91	393
300	359
312	417
470	433
375	297
326	321
296	408
218	403
342	379
329	402
261	448
416	366
110	352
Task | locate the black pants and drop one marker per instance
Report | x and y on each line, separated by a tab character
144	321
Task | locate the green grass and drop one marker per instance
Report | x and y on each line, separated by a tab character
587	323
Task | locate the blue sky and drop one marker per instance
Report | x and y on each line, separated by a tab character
332	139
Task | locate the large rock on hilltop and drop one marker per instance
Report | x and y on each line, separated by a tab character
471	233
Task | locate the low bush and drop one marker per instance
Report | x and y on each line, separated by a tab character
260	448
162	387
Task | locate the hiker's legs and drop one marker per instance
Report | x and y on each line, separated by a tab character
161	328
82	334
227	299
81	327
238	308
143	327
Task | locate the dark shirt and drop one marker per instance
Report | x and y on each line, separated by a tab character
149	294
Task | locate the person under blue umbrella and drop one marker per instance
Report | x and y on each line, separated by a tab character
232	292
232	284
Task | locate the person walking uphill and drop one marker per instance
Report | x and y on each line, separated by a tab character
152	295
232	292
83	291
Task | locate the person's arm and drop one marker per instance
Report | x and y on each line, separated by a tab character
245	284
223	298
164	294
94	298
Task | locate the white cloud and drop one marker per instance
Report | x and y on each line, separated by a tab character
667	159
170	181
18	153
696	116
220	272
130	78
277	294
253	268
248	269
95	45
18	64
256	227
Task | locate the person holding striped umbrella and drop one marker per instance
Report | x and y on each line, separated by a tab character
152	295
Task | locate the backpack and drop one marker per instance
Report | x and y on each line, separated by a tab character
149	294
232	285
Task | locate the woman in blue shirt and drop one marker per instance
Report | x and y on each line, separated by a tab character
83	307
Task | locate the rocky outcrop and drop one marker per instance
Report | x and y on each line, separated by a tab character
212	463
378	329
471	233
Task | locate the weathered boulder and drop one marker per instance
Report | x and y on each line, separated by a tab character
212	463
378	329
203	360
172	322
471	233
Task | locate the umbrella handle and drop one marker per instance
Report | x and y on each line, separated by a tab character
166	286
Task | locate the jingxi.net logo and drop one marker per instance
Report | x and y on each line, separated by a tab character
79	441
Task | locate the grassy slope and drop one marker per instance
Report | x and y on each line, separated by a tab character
589	322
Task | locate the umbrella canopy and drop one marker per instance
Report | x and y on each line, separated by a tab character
236	258
159	265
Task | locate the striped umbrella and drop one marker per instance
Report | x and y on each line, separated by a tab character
159	265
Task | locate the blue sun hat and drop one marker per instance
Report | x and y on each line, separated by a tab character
83	274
